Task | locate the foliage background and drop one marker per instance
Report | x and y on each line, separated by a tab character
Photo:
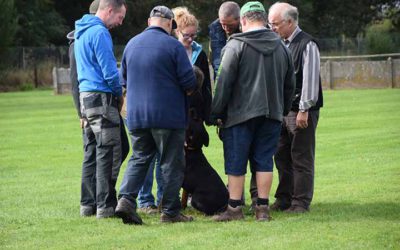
46	22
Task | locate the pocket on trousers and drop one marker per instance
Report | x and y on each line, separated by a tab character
93	105
110	133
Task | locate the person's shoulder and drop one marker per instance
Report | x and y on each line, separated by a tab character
214	23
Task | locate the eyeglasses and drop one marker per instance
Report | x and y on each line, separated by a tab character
271	25
187	36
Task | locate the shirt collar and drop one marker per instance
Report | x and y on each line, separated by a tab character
294	34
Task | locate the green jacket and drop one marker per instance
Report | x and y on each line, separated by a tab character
255	78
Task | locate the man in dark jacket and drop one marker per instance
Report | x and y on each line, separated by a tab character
296	150
254	89
227	24
221	29
158	75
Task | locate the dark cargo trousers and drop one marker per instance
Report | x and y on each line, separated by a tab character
102	149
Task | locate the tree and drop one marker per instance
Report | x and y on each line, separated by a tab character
38	23
350	18
8	23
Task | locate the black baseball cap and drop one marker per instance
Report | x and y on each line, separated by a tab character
164	12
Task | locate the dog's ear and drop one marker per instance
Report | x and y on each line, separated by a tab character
199	76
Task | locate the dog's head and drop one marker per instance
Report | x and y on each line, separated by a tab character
199	76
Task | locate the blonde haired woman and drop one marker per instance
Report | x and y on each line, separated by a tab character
186	33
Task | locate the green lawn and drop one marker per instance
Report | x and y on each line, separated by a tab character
357	187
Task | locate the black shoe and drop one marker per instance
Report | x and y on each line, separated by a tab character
296	210
127	212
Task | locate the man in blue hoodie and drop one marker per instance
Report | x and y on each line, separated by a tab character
101	100
158	75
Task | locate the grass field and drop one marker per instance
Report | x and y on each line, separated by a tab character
357	186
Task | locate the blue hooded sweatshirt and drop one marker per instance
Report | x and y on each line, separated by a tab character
95	61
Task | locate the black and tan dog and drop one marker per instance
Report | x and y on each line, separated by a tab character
208	192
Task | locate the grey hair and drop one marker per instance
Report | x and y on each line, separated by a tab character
289	12
228	9
116	4
256	16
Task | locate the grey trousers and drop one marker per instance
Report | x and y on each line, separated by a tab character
101	138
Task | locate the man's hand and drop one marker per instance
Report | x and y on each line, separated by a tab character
302	120
120	103
82	122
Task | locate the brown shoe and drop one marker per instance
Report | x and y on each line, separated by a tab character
277	206
262	213
127	212
296	210
179	218
230	214
149	210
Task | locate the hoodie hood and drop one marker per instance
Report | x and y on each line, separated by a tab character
71	37
85	23
196	49
264	40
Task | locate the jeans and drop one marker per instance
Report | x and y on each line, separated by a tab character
146	143
254	140
145	196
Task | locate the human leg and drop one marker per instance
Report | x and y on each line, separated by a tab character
159	179
88	181
236	141
303	154
283	163
170	144
145	196
101	113
143	151
266	136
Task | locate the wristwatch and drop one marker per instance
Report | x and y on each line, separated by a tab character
303	110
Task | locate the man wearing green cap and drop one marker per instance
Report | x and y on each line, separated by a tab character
254	89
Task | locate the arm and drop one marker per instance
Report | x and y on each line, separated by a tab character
105	57
227	74
74	80
309	92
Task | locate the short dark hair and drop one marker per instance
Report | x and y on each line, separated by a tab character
256	16
228	9
116	4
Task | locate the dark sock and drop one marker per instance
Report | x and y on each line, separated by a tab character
261	201
234	203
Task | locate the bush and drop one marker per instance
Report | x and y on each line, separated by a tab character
381	38
14	79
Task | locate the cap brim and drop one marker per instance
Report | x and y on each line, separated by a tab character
174	25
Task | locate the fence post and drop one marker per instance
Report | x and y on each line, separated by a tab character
330	71
392	73
55	80
23	58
